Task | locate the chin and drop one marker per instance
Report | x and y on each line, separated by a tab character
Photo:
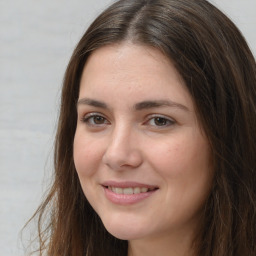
123	232
124	235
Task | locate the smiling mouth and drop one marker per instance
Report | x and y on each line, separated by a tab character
130	190
127	193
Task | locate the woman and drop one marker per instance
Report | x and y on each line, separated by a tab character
155	148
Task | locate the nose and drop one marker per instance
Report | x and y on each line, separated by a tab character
122	151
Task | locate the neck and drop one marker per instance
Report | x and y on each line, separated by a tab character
171	245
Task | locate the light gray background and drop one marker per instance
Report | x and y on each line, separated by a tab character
36	40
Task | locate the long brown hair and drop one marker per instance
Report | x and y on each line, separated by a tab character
220	73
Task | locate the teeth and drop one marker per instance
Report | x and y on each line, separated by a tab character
136	190
143	190
129	191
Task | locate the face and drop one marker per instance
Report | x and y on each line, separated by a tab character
143	162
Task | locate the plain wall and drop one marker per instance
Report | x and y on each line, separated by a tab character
36	42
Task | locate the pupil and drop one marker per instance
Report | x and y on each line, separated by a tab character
160	121
98	119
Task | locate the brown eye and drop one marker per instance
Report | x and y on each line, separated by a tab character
98	119
94	120
160	121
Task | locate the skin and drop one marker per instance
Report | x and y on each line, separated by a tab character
122	140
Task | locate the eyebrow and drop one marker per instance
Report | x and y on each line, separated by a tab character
91	102
148	104
159	103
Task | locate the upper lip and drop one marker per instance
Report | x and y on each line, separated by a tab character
127	184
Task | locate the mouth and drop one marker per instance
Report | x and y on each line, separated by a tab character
127	193
129	190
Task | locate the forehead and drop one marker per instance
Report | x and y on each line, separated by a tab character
134	71
130	58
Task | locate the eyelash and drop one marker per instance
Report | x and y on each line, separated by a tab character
89	119
167	121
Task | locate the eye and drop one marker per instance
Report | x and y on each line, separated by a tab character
160	121
95	119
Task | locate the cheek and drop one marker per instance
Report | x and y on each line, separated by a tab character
184	163
186	170
86	158
168	157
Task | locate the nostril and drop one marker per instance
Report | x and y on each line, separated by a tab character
122	159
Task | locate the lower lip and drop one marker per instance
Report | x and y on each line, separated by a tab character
124	199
